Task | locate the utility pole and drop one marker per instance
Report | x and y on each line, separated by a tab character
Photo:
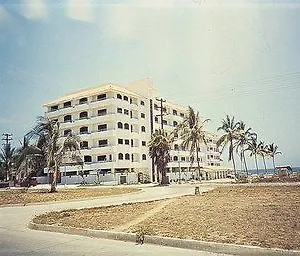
161	112
6	138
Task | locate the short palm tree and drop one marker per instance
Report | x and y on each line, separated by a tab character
192	133
230	128
263	152
7	156
254	147
159	151
273	151
48	133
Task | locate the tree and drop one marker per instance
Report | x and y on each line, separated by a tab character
159	151
48	132
192	133
273	151
243	137
7	155
254	148
230	128
262	151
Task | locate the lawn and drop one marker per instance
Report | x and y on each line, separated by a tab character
266	216
23	196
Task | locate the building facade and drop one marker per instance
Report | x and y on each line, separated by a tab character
115	124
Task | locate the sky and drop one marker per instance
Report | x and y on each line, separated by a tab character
235	57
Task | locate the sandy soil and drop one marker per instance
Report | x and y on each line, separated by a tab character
22	196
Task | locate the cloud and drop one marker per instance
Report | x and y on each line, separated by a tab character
80	10
34	9
4	15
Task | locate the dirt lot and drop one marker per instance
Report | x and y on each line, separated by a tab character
103	218
263	216
21	196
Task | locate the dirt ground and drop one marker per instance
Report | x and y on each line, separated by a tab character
263	216
23	196
102	218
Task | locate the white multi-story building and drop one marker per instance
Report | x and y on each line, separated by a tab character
115	124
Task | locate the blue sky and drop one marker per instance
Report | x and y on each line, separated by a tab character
240	58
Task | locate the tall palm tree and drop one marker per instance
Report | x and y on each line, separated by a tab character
273	151
230	128
243	136
7	155
159	151
48	133
192	133
263	153
254	147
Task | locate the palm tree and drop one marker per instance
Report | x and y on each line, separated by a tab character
48	132
273	151
263	153
243	136
192	133
253	147
230	128
159	151
7	155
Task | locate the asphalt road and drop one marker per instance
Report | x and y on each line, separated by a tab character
17	239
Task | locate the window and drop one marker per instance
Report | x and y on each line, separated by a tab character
120	125
127	156
101	96
67	104
165	122
54	108
143	129
183	158
67	132
119	110
119	96
126	142
125	98
120	156
142	115
156	119
126	126
67	118
176	147
102	112
175	123
181	114
102	143
143	143
101	158
83	100
175	158
155	106
84	145
120	141
174	112
142	103
144	157
83	115
87	159
83	130
102	127
126	111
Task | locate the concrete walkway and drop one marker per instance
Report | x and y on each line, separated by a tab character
17	239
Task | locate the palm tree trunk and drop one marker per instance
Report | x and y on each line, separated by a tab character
54	180
264	163
246	168
256	163
198	162
273	159
232	156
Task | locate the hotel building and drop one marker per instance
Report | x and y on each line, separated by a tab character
115	124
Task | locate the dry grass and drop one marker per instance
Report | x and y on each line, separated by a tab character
263	216
102	218
23	196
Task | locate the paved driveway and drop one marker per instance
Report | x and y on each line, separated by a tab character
17	239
